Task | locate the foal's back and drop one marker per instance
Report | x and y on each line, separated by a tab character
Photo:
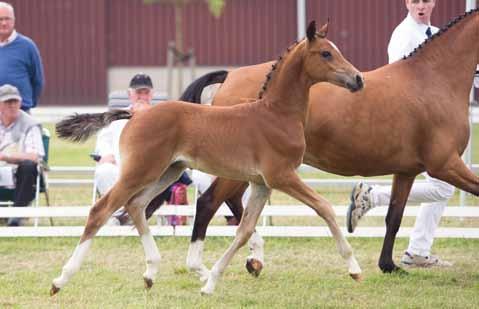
225	141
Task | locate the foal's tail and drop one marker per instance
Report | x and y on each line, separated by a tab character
193	91
79	127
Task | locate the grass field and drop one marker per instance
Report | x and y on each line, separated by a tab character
299	272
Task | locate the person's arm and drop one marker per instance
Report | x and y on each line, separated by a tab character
36	74
32	150
104	146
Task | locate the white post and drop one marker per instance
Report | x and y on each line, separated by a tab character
301	16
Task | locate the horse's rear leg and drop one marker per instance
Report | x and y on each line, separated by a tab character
292	185
206	206
456	173
256	202
98	215
400	191
135	209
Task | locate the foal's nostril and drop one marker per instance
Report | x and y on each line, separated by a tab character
359	81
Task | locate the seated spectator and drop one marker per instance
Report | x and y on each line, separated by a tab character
21	148
107	170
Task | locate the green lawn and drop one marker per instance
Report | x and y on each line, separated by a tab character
299	273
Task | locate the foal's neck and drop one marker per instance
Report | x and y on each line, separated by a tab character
288	90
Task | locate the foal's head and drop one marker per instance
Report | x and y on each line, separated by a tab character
324	62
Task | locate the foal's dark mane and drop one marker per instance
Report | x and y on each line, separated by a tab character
443	30
273	68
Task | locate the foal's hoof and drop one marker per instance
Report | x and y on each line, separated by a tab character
356	277
54	290
148	283
254	266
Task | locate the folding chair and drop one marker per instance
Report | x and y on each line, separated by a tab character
41	186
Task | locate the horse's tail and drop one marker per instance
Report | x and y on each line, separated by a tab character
193	91
79	127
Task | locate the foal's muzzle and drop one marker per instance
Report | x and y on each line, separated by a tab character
356	84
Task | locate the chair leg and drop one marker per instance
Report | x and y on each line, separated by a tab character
47	200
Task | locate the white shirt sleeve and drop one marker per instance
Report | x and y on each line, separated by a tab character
104	142
33	142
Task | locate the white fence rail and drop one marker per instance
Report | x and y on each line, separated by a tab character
88	171
265	230
270	211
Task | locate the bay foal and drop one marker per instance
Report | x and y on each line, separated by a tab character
261	142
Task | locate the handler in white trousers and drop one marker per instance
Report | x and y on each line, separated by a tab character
434	193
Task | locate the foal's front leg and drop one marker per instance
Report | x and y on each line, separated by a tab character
292	185
256	202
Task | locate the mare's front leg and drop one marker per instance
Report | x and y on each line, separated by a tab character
259	196
97	217
206	206
291	184
400	191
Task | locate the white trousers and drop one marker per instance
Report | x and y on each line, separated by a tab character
433	196
106	174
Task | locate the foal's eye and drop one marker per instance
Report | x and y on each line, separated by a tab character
326	54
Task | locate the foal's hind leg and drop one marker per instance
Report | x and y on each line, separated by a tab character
99	213
136	211
292	185
206	206
256	202
255	261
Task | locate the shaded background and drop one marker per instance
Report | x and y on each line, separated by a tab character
82	40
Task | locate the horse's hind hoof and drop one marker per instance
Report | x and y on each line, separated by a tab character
254	266
54	290
148	283
356	277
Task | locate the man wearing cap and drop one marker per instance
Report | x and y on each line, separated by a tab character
21	147
107	170
20	61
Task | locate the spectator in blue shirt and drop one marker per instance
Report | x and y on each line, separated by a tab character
20	62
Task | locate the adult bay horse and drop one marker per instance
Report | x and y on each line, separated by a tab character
261	142
412	117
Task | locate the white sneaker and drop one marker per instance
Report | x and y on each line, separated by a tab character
360	205
414	260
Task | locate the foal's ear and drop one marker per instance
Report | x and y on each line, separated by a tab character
323	31
311	31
